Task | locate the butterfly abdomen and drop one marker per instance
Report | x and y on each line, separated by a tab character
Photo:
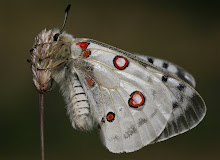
77	102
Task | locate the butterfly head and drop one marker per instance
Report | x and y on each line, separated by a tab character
50	51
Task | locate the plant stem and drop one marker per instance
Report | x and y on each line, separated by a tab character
42	124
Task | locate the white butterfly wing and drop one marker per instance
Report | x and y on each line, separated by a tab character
131	105
134	102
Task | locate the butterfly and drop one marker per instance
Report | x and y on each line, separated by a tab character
134	100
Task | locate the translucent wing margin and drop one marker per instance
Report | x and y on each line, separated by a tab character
188	108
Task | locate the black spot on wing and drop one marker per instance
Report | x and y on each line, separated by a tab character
181	87
150	60
175	105
165	65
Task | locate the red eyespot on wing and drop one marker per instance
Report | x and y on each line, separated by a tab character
110	117
137	99
120	62
83	45
89	81
87	53
164	78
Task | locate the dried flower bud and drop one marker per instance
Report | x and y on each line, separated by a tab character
49	51
41	60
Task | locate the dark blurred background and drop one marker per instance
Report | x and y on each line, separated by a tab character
186	33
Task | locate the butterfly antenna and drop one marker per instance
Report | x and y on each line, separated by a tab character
66	14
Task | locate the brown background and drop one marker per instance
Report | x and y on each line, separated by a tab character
186	33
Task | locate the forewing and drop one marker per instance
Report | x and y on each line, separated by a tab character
131	105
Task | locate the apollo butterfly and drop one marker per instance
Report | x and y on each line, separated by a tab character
134	100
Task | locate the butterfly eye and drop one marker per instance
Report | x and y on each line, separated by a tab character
55	37
31	51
